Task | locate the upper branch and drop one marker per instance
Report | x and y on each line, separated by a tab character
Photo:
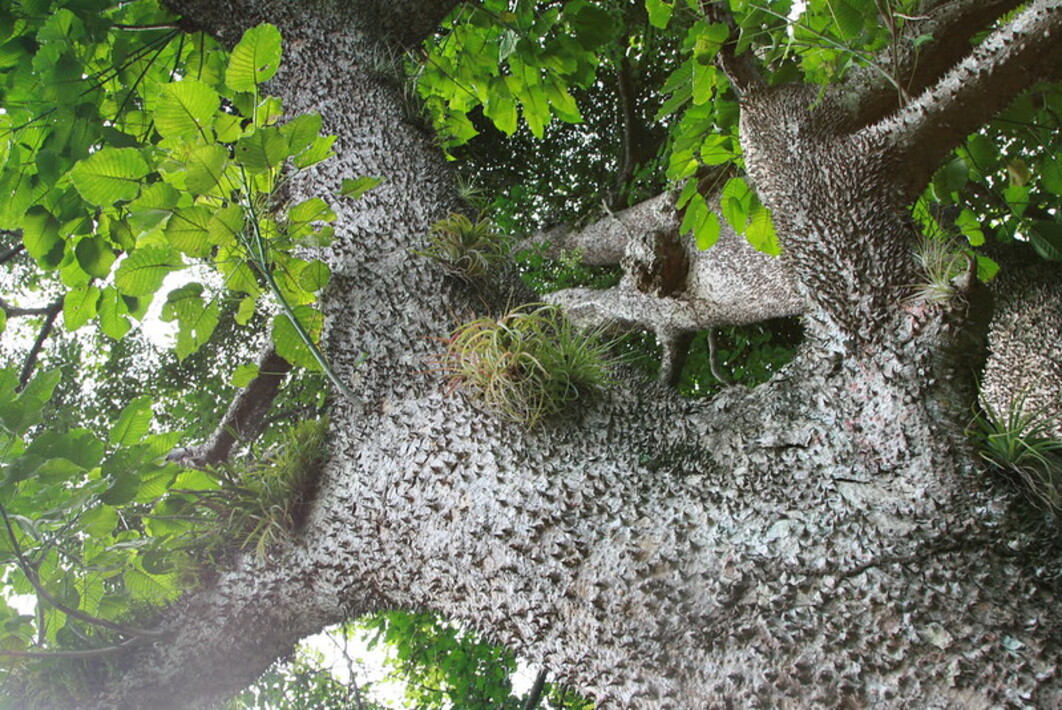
1010	60
907	67
741	69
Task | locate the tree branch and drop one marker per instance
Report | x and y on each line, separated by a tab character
1010	60
245	418
741	69
51	313
915	67
15	311
535	694
9	254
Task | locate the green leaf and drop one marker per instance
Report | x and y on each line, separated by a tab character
659	12
355	188
320	150
40	234
289	342
189	230
133	423
196	320
254	59
226	226
760	231
302	131
94	256
110	175
113	313
79	306
142	272
1046	238
735	202
314	276
970	227
500	106
1051	175
244	374
205	168
263	150
245	311
186	110
716	150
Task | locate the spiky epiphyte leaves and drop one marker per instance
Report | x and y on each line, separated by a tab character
466	249
1020	443
529	364
940	262
261	504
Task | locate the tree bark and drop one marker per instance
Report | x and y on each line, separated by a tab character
821	540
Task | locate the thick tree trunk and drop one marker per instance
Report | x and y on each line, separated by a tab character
818	541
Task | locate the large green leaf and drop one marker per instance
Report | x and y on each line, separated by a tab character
254	59
133	423
290	343
186	109
142	272
110	175
79	306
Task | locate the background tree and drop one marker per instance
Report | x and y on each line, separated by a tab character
821	538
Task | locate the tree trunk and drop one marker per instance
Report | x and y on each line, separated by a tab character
821	540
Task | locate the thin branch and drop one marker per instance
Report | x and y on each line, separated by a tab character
915	66
741	69
245	418
535	695
86	653
15	311
1009	61
34	580
9	254
28	366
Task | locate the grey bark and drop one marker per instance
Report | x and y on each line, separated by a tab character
821	540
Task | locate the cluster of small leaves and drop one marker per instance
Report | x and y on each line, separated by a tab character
745	355
511	58
529	364
244	507
166	155
1021	444
466	249
75	502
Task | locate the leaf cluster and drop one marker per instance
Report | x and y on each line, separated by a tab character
466	249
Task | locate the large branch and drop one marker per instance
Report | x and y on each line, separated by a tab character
907	68
1008	61
245	418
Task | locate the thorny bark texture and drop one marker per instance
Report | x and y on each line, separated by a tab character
814	542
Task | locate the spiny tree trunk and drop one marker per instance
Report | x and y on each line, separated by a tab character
820	540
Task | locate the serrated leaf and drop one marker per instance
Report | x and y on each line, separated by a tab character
254	59
110	175
133	423
186	109
760	231
357	187
142	272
